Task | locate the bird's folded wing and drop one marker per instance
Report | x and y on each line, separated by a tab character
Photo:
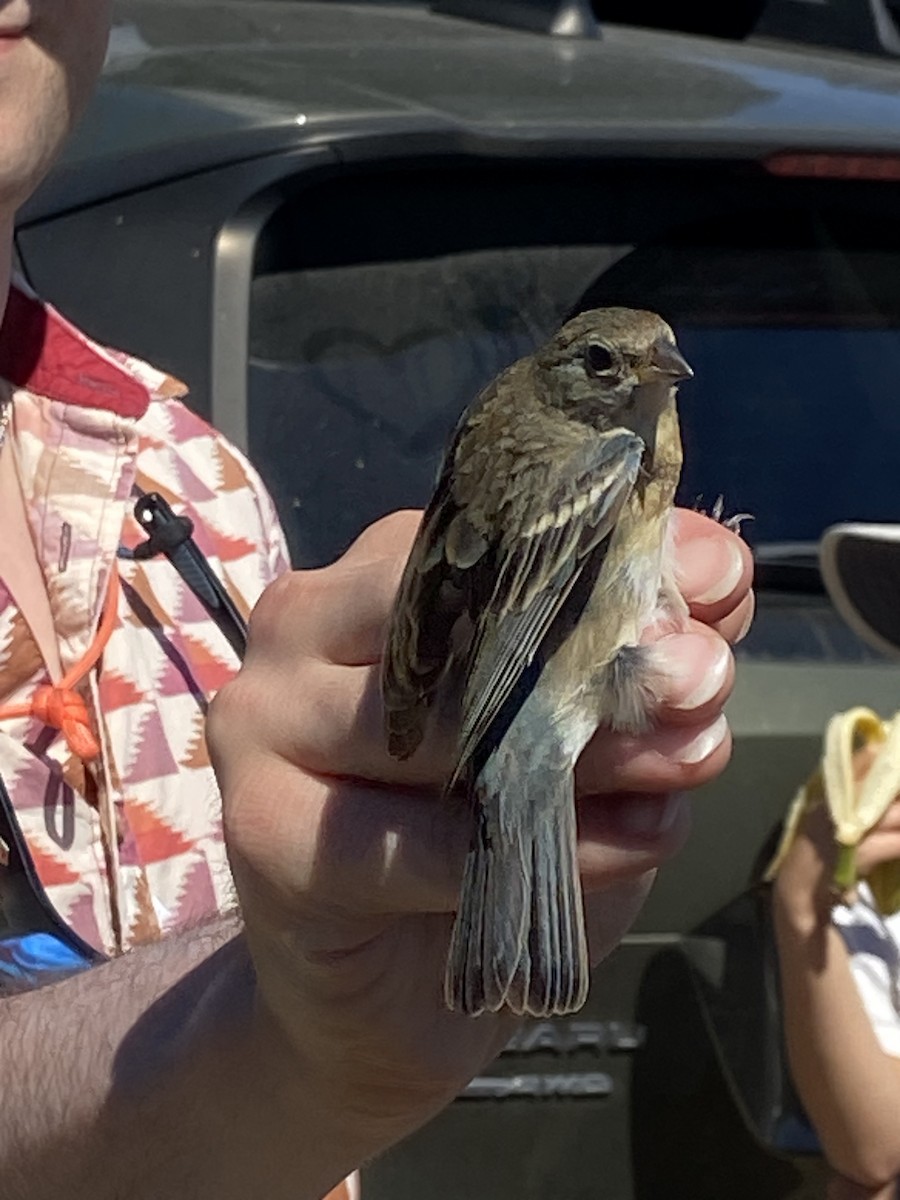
418	648
557	525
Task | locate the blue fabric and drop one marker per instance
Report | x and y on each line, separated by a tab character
795	1135
29	959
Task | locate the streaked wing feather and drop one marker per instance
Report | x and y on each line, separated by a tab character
530	591
418	648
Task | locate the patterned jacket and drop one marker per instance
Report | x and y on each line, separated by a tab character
128	846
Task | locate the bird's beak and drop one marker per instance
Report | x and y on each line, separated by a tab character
666	360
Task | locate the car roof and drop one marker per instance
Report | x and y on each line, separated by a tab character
192	84
334	61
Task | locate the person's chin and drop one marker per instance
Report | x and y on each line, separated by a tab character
34	121
22	169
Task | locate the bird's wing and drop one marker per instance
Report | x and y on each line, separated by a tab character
419	650
558	525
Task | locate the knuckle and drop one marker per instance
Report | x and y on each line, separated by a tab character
267	613
234	709
220	717
276	615
390	535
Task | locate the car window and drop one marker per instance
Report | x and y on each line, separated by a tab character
790	318
366	369
792	326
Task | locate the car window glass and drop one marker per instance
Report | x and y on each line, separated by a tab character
359	370
363	371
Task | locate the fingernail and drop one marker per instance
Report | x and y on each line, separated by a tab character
748	621
709	569
650	816
704	743
696	665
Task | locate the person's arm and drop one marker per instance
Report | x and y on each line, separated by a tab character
841	1188
196	1068
849	1085
156	1075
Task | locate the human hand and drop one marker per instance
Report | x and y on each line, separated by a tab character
882	843
348	862
806	877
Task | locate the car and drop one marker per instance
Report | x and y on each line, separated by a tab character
337	222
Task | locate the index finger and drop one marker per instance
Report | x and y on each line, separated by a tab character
713	566
338	614
346	607
891	819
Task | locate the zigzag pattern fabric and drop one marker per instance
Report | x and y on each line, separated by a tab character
127	847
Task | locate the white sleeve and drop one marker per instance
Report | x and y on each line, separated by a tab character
873	944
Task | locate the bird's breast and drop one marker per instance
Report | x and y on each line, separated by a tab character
619	600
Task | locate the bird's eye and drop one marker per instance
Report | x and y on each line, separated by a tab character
597	359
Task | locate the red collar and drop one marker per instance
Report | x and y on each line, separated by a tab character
45	354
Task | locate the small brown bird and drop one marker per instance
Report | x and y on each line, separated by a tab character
541	558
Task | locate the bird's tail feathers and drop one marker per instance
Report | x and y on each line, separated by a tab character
519	939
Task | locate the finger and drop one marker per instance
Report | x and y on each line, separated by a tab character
337	846
815	847
671	758
389	537
736	625
623	836
891	819
694	673
610	912
335	722
863	759
312	619
713	566
877	848
338	614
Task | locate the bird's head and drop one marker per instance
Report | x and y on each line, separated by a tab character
610	365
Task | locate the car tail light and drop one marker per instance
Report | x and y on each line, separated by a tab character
811	165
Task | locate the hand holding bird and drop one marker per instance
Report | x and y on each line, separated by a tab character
348	861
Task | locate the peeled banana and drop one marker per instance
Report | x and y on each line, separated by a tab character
855	805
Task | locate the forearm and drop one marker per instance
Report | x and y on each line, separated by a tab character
841	1188
850	1087
157	1075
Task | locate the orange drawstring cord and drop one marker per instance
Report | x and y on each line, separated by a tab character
59	705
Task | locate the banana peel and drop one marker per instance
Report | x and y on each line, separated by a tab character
854	806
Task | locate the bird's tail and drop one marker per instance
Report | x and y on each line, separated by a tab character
519	939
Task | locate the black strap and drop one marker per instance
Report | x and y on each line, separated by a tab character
172	535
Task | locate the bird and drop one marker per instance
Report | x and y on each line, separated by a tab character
542	556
